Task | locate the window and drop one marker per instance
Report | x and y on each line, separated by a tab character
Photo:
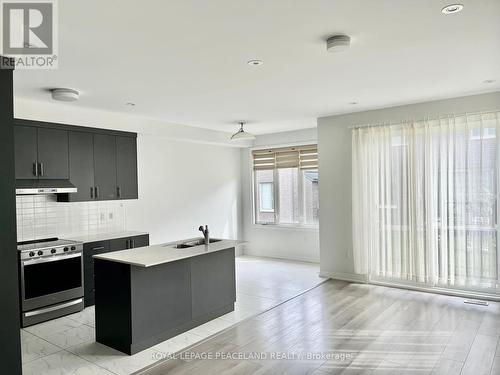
286	186
266	191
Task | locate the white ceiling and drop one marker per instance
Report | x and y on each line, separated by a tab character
184	61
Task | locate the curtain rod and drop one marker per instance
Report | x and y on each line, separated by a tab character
403	122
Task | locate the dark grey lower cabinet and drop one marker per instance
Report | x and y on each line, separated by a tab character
209	286
138	307
129	242
171	282
100	247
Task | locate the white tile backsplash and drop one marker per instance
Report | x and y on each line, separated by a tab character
41	216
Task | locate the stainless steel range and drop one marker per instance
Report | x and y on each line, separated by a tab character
51	279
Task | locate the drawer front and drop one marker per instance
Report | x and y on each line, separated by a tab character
93	248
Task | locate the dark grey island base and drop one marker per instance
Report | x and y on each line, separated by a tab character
137	307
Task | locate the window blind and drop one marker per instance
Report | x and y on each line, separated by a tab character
303	157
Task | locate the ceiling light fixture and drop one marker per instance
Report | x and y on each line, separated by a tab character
65	95
241	134
489	81
353	103
452	8
338	43
130	104
255	62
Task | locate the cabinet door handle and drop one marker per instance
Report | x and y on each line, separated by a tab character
35	169
118	191
41	169
98	248
91	192
132	243
127	246
96	189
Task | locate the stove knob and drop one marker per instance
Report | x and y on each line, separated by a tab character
66	249
40	252
31	254
73	247
53	251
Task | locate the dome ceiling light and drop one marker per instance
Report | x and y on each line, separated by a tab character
338	43
65	95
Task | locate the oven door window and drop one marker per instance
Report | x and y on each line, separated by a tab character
56	276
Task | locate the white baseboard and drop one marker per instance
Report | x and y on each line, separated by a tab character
246	251
363	279
352	277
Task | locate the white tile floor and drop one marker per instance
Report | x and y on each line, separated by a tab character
67	345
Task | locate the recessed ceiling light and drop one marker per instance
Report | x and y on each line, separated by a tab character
452	8
353	103
489	81
130	104
255	62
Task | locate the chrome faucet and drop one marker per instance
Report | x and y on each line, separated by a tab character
205	233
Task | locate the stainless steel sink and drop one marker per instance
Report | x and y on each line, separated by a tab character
191	243
182	246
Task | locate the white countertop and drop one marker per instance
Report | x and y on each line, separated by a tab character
105	236
149	256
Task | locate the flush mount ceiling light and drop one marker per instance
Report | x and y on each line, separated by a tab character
489	81
65	95
452	8
255	62
241	134
130	104
353	103
338	43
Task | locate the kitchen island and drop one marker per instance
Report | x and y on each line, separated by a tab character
146	295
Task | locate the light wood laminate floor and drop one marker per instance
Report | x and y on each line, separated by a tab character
347	328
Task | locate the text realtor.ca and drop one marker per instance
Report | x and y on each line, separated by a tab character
29	62
29	34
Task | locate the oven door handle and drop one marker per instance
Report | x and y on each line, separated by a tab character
53	308
52	259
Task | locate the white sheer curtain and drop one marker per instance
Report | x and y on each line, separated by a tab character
425	201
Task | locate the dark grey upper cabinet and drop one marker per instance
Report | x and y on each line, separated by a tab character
105	166
53	154
41	153
126	167
81	165
101	163
25	141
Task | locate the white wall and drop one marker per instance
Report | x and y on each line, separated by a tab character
187	176
334	145
276	242
184	185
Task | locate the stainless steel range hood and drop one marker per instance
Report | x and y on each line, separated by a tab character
26	187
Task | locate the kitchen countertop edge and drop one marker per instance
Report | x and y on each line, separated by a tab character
105	236
149	256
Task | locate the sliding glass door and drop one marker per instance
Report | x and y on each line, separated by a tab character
425	202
